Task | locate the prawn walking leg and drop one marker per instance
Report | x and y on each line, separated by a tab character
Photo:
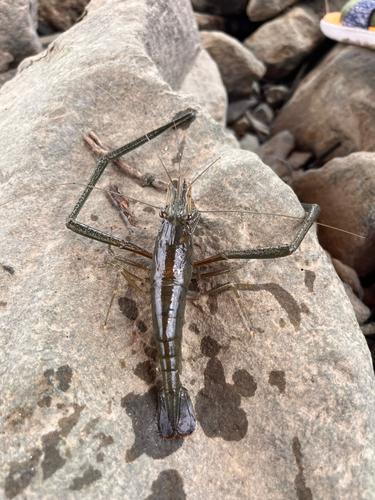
95	234
170	274
312	212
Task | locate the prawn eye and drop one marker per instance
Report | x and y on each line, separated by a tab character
163	214
189	217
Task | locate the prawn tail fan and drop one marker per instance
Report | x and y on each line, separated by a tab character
176	414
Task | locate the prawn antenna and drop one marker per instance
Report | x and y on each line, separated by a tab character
139	125
178	152
77	184
327	6
179	164
205	170
279	215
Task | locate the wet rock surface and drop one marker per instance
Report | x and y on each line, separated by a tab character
79	403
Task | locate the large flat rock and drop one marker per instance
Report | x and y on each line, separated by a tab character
288	416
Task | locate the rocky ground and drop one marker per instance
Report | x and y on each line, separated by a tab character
291	96
305	106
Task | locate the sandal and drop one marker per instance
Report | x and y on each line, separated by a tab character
354	24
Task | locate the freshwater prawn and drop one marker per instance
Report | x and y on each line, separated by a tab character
170	267
172	263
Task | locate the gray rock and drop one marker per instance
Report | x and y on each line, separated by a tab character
248	123
348	276
264	113
237	108
280	167
298	159
231	138
95	5
362	312
46	40
5	60
208	22
368	329
5	77
18	23
205	83
283	43
335	103
256	88
257	125
61	14
238	66
221	7
241	126
249	142
276	94
78	407
344	189
261	10
319	7
280	145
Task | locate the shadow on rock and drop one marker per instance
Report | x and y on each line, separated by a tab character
168	486
218	403
143	412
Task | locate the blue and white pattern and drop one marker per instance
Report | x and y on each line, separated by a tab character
359	15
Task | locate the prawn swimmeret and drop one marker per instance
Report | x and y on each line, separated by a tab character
171	268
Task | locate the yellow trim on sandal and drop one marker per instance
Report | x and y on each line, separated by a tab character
334	18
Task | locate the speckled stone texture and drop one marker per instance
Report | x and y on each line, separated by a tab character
288	416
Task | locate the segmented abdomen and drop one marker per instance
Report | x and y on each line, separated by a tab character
168	308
